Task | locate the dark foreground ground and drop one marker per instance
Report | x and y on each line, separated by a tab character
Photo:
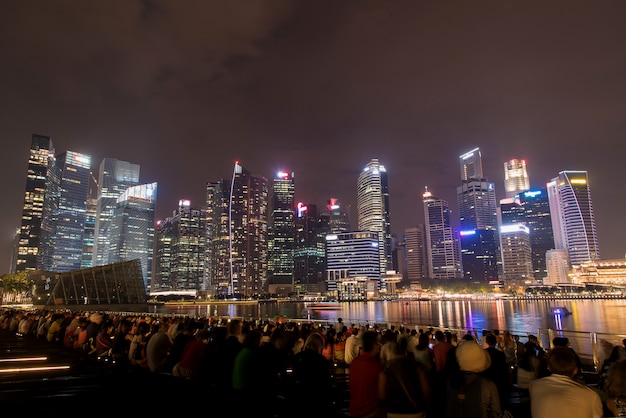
87	387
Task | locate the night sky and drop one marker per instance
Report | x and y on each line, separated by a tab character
185	88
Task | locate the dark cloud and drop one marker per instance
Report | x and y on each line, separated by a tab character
185	88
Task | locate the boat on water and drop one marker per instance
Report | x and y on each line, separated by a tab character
560	310
322	305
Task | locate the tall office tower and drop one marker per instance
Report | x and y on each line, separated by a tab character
443	252
90	225
165	234
373	209
132	228
415	250
40	158
114	177
350	257
218	237
532	208
572	216
282	234
237	217
65	213
338	219
516	178
310	250
183	247
478	221
516	253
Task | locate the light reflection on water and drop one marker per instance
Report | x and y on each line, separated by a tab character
520	316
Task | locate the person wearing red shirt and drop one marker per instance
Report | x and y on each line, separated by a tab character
365	371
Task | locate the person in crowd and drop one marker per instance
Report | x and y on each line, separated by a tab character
55	327
192	358
606	364
245	379
365	372
405	388
614	389
564	342
353	345
509	348
498	371
137	350
469	394
121	344
528	365
312	378
440	350
424	354
339	326
339	350
559	395
329	345
158	348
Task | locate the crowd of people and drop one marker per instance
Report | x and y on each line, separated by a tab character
391	372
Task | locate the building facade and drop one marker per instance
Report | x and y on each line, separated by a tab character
442	242
373	209
282	234
516	178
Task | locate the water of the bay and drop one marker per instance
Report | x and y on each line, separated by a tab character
518	316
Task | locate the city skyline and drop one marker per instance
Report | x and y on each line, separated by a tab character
320	91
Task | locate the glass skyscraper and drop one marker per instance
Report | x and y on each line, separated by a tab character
515	177
442	242
282	234
373	209
65	212
573	221
114	177
132	228
40	158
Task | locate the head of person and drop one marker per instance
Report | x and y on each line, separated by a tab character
560	341
370	342
391	350
615	384
491	340
472	357
561	360
314	342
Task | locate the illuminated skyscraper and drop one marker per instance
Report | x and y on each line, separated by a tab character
180	254
442	242
282	234
309	253
515	177
478	221
338	219
573	221
65	213
237	228
415	250
40	158
114	177
132	228
373	209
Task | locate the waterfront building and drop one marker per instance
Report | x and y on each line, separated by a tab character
442	243
90	226
309	258
181	241
373	209
572	216
282	233
338	219
132	228
516	178
114	177
352	261
532	208
238	232
516	253
40	158
478	221
415	256
65	213
557	265
601	272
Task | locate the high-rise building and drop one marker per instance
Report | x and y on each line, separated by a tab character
532	208
516	178
114	177
442	242
282	234
65	213
572	216
90	225
181	241
309	252
516	253
557	265
132	228
238	232
338	219
373	209
415	249
478	221
40	158
351	256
